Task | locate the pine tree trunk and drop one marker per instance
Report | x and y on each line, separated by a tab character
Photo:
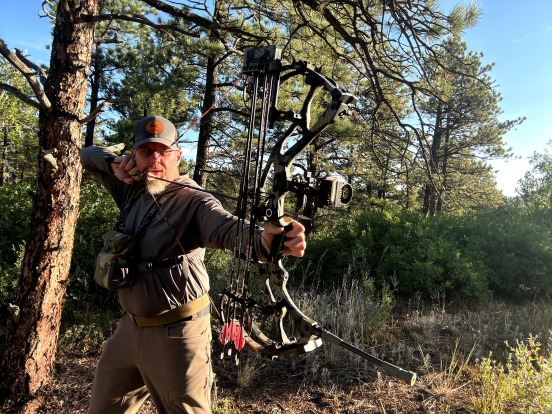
96	77
206	127
27	364
429	200
444	169
431	188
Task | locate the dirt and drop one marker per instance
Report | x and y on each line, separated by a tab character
288	386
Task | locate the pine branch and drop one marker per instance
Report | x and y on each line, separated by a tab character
19	95
101	107
43	101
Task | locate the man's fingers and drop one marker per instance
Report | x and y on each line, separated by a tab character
295	243
130	164
296	229
126	169
134	172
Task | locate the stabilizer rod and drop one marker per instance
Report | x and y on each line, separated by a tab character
407	376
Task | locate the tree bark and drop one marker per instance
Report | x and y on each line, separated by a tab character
431	190
444	167
27	364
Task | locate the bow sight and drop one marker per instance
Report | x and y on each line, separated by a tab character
245	318
327	192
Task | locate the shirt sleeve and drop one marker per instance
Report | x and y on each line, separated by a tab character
218	229
97	161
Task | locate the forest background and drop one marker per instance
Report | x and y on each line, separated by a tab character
427	228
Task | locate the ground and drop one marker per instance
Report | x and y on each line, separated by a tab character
288	386
444	349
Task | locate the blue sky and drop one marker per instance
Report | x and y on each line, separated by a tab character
515	35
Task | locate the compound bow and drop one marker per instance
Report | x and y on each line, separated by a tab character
240	313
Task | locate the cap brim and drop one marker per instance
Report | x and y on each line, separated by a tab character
164	141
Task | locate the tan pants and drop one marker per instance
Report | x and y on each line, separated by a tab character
172	363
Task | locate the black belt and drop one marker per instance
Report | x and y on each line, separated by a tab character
170	262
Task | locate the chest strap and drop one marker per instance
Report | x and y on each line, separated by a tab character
170	262
184	311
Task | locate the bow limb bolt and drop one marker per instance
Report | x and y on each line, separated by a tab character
242	317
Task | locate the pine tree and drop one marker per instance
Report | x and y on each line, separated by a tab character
27	364
535	188
461	131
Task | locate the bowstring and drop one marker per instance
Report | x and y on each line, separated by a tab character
241	212
256	190
231	309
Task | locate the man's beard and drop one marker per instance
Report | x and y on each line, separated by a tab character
155	186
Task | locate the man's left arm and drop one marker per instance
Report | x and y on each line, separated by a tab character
217	228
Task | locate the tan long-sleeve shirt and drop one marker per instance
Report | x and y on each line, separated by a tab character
190	216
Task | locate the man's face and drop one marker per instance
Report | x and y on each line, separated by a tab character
152	164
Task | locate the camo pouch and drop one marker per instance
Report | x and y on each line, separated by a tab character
115	265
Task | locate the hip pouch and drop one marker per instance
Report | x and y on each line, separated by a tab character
115	263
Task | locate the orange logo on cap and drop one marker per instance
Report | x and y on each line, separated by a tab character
154	127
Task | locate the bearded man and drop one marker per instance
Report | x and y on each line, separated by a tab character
161	347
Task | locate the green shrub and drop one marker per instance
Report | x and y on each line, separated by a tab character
503	252
521	386
15	209
98	213
516	247
83	331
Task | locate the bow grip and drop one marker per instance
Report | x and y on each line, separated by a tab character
277	246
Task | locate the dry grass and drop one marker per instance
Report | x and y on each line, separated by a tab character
462	357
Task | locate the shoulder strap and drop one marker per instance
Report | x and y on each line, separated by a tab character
151	214
126	209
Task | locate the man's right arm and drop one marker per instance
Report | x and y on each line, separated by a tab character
97	159
114	172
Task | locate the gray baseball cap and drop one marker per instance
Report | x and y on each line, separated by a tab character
155	129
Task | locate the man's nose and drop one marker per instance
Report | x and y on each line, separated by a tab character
156	155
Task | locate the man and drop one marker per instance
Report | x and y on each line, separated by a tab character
162	346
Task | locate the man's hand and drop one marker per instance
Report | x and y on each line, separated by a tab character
125	169
295	243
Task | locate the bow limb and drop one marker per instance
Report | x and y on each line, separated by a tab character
309	332
338	107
